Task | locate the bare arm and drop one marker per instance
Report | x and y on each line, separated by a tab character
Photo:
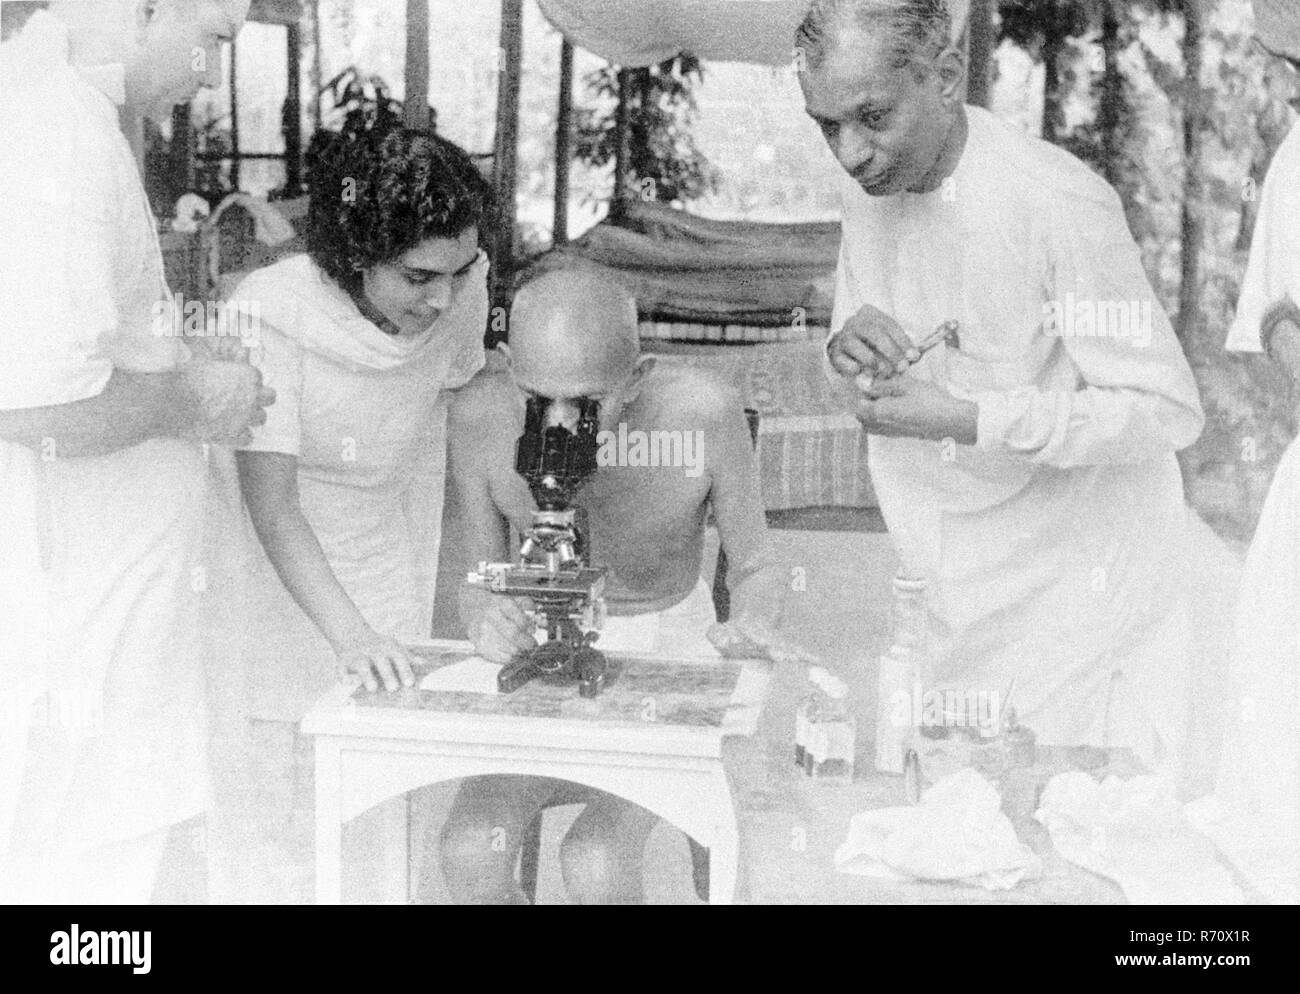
269	481
498	626
755	577
205	400
132	408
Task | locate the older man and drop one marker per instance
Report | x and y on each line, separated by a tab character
102	472
1031	473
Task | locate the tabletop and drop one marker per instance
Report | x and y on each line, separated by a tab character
675	706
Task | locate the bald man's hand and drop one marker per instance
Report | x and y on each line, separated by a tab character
752	638
498	626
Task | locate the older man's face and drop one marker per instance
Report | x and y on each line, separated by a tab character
179	51
886	125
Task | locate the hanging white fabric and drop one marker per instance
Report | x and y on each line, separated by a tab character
635	33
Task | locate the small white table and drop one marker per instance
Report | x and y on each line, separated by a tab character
653	737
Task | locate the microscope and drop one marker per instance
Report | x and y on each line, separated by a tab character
552	570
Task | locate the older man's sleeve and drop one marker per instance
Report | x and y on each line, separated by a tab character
1135	398
57	219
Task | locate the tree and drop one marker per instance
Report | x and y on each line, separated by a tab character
664	162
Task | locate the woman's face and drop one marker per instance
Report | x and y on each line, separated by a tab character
413	290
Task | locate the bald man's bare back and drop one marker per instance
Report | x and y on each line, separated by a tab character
645	523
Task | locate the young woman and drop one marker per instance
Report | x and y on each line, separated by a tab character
361	338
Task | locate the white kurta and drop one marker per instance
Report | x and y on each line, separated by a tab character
1254	814
364	412
1053	545
119	751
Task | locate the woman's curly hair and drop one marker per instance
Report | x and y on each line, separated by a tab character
380	190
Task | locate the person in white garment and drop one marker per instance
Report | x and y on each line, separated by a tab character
1030	473
363	338
101	473
1254	813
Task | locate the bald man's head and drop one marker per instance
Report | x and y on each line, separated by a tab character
573	334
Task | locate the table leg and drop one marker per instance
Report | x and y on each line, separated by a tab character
724	866
395	846
329	823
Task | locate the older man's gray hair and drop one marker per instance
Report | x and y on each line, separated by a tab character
916	30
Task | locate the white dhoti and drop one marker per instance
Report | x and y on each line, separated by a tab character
677	632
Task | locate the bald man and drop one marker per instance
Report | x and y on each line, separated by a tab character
574	337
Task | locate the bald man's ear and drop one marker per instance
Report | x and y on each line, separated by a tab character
639	372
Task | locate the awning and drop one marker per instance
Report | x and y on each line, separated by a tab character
635	33
275	11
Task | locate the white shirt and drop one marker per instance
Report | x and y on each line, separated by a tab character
1036	537
1274	269
109	543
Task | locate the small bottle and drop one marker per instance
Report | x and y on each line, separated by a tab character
899	677
830	731
810	708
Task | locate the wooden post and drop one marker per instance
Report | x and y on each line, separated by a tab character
622	149
1193	221
982	42
563	146
317	77
291	121
182	150
506	155
234	116
415	112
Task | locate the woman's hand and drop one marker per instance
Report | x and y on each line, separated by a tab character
375	658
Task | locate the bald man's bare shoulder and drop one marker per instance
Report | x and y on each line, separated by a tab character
483	420
687	393
490	394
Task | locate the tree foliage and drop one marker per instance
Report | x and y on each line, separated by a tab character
664	162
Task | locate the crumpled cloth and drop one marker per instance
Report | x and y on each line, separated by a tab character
957	833
1134	832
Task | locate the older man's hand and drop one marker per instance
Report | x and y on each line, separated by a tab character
873	343
906	407
226	399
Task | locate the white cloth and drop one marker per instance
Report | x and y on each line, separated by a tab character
365	413
117	751
958	832
678	632
1254	812
633	33
1274	268
1134	832
1053	545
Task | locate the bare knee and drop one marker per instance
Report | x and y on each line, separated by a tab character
601	861
479	843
